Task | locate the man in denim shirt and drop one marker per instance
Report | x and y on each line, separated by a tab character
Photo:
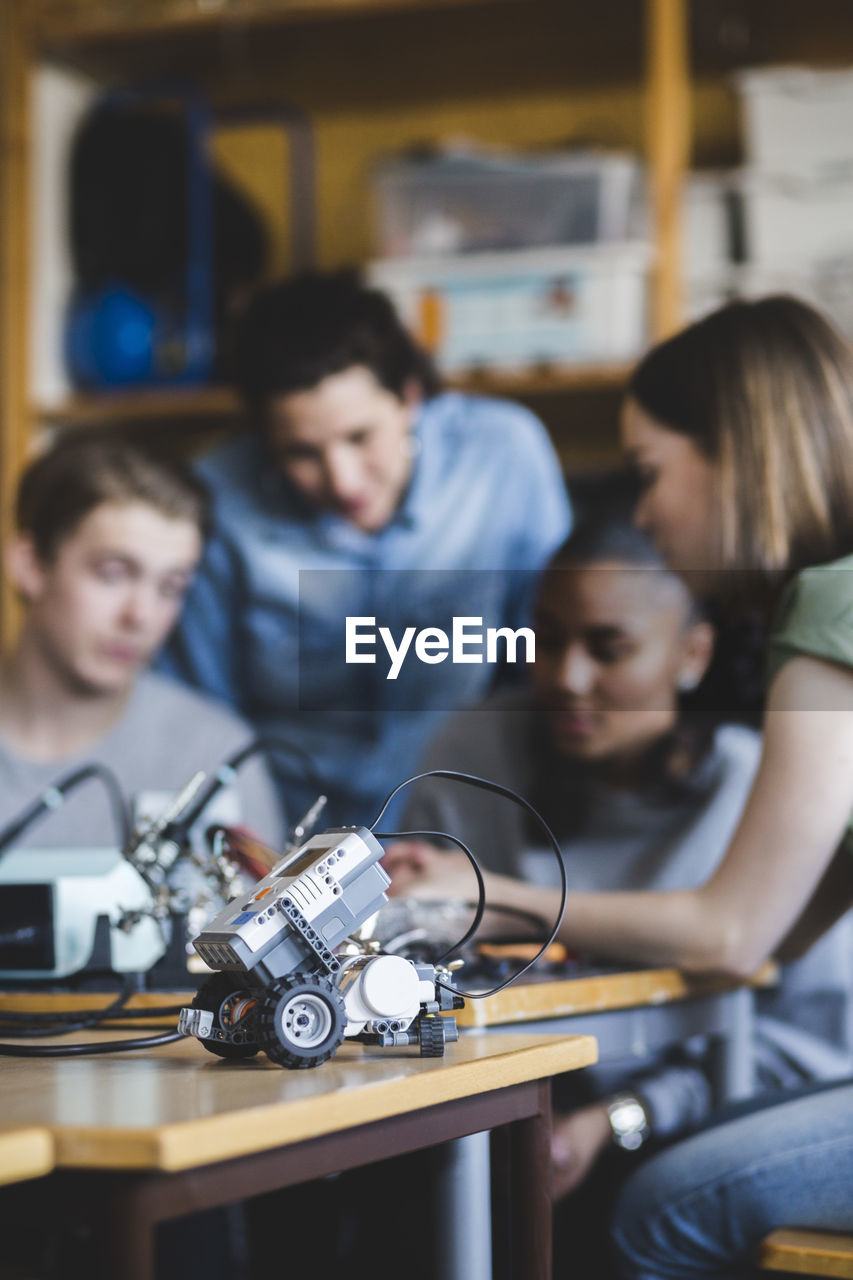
362	493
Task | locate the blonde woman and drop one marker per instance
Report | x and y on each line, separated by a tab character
741	431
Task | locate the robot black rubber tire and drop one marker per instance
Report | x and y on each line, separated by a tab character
301	1021
215	995
431	1035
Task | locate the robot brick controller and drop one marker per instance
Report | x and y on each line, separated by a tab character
279	986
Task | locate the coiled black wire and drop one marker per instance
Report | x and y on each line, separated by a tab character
484	784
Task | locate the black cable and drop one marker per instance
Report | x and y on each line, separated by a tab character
54	796
485	785
481	887
148	1011
90	1018
517	913
75	1050
71	1015
224	775
62	1025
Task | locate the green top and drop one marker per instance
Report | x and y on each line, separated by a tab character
815	618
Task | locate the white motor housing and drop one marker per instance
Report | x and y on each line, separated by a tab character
384	989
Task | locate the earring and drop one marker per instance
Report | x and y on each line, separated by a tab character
687	681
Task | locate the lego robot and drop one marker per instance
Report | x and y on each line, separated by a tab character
280	987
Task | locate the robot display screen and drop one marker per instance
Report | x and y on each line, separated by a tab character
295	868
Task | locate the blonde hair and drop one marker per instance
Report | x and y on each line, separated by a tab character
764	390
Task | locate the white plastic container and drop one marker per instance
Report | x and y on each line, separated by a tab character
797	122
795	223
60	100
516	311
706	292
468	201
828	286
709	215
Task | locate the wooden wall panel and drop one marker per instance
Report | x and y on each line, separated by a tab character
15	426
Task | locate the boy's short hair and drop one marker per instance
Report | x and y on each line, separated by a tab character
84	470
316	324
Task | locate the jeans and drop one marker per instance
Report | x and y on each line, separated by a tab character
701	1208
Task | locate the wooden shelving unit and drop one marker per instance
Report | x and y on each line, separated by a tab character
15	419
211	403
221	403
374	75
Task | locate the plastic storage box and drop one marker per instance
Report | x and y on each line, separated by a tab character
704	293
827	285
469	202
797	122
712	230
515	311
795	222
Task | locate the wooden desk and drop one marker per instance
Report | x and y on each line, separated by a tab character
628	1013
637	1011
178	1130
25	1153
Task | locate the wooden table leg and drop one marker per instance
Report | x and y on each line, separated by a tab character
531	1191
521	1183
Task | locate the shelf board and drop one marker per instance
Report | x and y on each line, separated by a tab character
59	28
563	380
329	54
137	406
217	403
